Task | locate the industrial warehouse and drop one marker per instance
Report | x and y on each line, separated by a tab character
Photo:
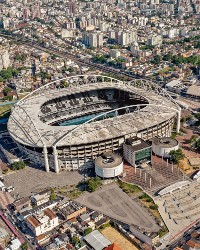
68	123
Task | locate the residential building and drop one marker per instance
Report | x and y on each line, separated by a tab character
4	58
154	40
93	39
71	210
42	222
41	197
115	53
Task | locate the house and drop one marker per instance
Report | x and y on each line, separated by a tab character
84	217
91	224
96	216
1	95
13	94
3	233
41	239
22	204
71	210
41	197
102	221
193	243
64	227
2	186
14	245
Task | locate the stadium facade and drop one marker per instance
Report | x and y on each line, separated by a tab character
67	123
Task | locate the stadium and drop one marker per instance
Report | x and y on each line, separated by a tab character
68	123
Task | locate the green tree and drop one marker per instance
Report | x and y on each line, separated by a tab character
197	144
7	90
20	57
111	41
44	75
24	246
54	56
93	184
18	165
183	119
70	69
193	139
100	59
87	231
177	155
53	195
75	240
198	117
156	59
8	73
154	207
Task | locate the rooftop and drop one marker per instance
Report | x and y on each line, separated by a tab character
37	220
96	240
194	90
136	144
108	160
165	142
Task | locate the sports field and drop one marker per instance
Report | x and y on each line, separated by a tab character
115	237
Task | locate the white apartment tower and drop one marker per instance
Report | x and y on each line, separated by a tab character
4	59
93	39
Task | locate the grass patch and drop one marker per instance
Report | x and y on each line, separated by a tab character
71	194
104	226
129	188
148	202
163	231
166	70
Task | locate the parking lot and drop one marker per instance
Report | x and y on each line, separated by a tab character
113	202
32	180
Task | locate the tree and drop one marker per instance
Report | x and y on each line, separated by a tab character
87	231
7	90
197	144
8	73
99	58
20	57
53	195
70	69
193	139
24	246
183	119
75	240
154	207
198	117
176	155
18	165
111	41
44	75
93	184
156	59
